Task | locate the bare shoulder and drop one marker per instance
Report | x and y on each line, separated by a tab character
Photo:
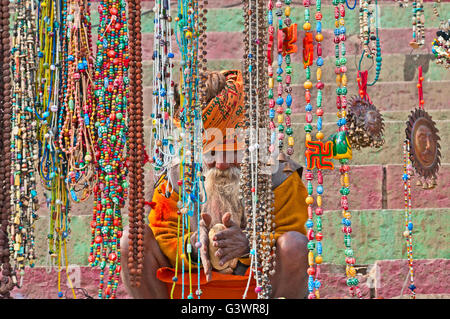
284	170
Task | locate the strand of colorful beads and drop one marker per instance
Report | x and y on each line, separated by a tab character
280	101
418	22
75	140
313	272
341	104
407	170
255	182
191	129
307	62
441	44
366	31
52	162
8	279
200	179
271	31
24	201
162	137
135	147
367	36
111	90
319	136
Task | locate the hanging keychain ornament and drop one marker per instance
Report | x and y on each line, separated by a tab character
423	137
441	44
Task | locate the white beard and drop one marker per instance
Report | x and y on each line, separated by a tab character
222	191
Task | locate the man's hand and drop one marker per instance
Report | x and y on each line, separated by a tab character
204	240
232	242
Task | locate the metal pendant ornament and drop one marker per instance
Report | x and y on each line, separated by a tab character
365	124
425	151
423	136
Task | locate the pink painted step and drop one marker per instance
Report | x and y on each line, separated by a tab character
421	198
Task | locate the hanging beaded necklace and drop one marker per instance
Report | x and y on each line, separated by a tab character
135	147
367	35
162	137
441	44
315	239
110	91
343	153
370	42
190	38
407	171
418	22
75	139
8	278
255	187
52	167
281	39
24	201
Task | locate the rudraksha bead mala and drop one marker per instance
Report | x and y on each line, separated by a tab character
8	279
256	182
135	146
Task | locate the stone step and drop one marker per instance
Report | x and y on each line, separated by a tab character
377	233
384	279
396	68
430	278
230	18
229	45
388	97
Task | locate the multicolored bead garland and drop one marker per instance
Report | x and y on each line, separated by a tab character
189	30
315	239
52	74
24	201
135	146
75	139
367	19
418	22
162	139
441	44
256	182
286	38
111	100
407	172
342	148
8	279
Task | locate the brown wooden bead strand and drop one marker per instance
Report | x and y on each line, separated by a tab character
135	149
8	277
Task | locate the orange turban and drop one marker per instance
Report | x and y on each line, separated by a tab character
223	115
225	112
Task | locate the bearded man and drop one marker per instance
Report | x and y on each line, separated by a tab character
227	249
